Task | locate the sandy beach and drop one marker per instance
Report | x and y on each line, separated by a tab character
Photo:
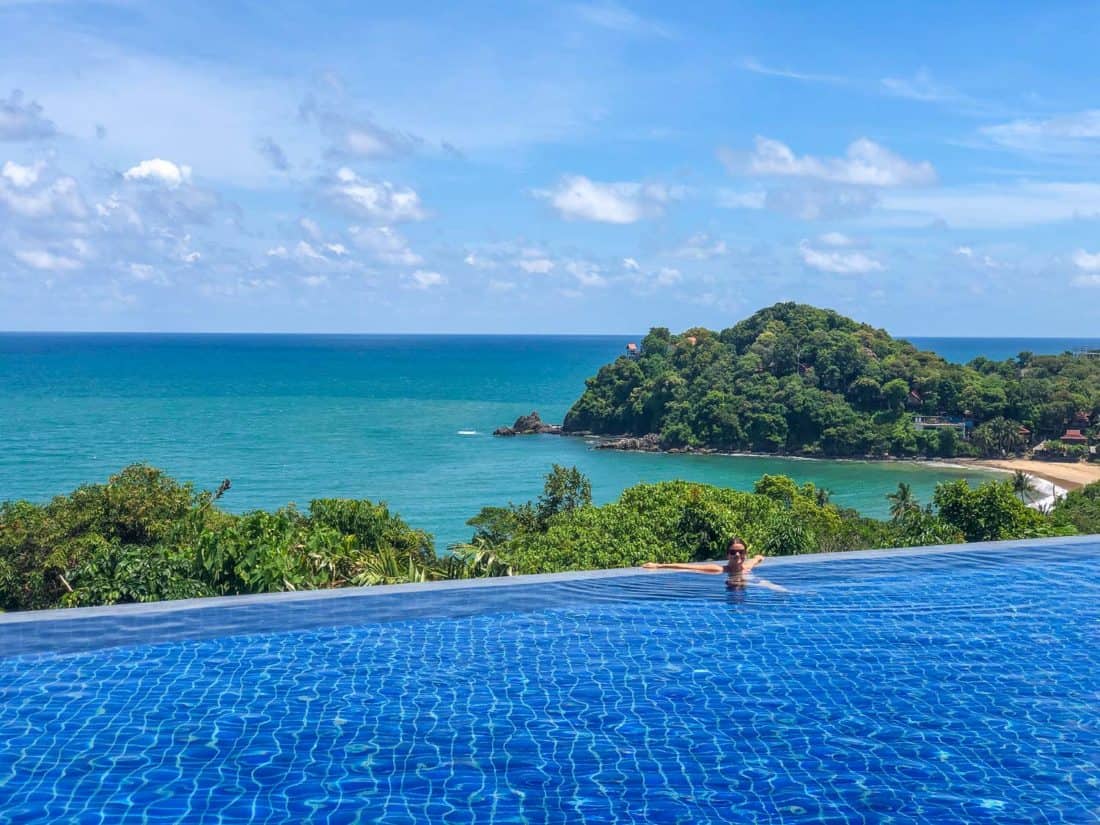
1067	476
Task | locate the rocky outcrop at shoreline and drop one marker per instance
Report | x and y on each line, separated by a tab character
529	425
650	443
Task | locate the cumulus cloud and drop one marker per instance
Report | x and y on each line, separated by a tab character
379	201
21	177
425	279
384	244
865	163
1074	132
22	119
1086	261
579	198
273	153
158	170
837	260
25	194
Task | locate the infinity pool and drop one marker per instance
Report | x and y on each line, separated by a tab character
950	686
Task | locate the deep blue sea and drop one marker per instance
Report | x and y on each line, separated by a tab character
295	417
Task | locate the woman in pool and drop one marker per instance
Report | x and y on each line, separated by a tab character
737	566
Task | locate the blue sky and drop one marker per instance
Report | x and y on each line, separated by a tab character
548	167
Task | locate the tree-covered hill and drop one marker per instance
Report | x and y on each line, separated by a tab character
798	379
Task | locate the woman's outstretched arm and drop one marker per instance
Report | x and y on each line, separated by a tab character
691	568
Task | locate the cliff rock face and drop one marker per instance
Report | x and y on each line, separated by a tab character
529	425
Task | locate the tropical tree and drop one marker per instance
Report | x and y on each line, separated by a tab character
1021	485
902	501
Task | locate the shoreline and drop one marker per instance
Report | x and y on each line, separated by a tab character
1067	475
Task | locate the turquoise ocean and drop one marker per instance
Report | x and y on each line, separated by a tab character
403	419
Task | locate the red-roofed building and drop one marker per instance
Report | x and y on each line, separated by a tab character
1075	437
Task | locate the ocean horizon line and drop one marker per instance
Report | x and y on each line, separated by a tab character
301	334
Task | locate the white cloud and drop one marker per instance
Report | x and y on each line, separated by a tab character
273	153
920	87
23	120
1087	280
379	201
586	273
984	206
667	276
501	286
834	260
355	136
479	261
631	265
41	259
315	280
306	251
865	163
730	199
423	279
311	228
751	64
158	170
1086	261
835	239
21	177
386	244
61	198
701	247
617	18
1066	133
578	198
964	252
817	201
536	266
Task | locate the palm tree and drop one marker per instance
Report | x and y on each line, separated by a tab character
822	496
1021	485
902	501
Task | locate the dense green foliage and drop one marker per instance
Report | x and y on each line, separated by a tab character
143	537
678	521
797	379
1080	509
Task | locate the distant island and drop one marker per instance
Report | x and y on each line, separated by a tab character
798	380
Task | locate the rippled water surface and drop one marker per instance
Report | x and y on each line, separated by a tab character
955	687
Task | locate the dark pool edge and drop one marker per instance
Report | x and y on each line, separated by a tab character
304	596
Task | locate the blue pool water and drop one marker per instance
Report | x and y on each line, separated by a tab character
927	687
